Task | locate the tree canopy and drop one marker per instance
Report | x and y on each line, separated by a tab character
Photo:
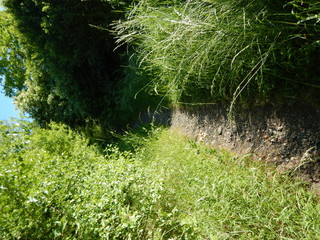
58	60
12	56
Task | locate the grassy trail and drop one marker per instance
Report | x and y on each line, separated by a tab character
149	184
214	195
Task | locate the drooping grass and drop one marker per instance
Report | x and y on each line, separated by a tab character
152	184
209	51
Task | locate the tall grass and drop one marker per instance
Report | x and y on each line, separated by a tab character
209	51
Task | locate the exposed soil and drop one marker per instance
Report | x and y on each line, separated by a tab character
287	136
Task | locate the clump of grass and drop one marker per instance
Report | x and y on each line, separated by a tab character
209	51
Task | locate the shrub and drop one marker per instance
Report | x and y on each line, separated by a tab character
54	186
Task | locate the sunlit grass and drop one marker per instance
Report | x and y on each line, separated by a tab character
220	196
151	184
221	51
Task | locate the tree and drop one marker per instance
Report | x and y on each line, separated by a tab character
12	56
68	72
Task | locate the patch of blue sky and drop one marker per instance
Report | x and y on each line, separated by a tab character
7	108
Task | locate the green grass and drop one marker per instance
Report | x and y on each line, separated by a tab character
151	184
227	50
220	196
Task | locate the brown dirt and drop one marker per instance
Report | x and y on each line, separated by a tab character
287	136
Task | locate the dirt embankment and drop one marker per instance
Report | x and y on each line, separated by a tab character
288	136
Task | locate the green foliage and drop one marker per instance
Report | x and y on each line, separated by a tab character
136	93
75	62
208	51
59	63
12	56
151	184
219	196
68	71
307	13
58	58
55	186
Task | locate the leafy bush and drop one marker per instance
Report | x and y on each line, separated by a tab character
209	51
55	186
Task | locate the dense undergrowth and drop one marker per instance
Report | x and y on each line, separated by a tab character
227	50
150	184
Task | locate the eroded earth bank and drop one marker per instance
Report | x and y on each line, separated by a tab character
287	136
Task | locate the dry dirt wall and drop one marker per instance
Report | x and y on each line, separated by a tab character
288	135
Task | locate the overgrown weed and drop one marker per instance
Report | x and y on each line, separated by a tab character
158	185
